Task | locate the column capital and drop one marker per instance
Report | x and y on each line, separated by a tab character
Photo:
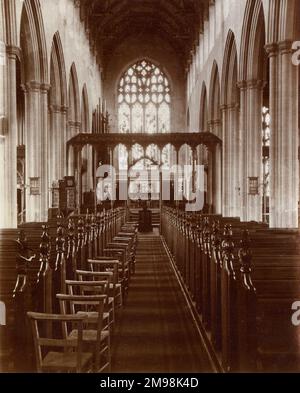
45	87
242	85
285	46
58	109
76	124
35	86
215	122
227	107
255	84
13	50
271	49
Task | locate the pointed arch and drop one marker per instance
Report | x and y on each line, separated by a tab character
229	90
203	110
74	98
253	41
85	118
58	79
214	94
33	43
230	130
58	103
188	119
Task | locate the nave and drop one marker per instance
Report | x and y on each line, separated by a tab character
149	173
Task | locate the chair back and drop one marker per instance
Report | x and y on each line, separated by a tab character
103	265
96	276
85	304
40	342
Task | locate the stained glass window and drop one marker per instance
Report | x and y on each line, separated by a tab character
144	99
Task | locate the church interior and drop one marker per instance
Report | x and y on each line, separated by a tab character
113	257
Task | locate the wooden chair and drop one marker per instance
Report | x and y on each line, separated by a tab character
130	243
102	264
84	288
124	270
72	358
84	275
94	337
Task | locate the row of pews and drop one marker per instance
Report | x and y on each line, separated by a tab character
40	260
243	279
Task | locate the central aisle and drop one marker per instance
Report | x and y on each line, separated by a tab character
155	331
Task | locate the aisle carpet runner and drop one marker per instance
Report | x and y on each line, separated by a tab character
155	332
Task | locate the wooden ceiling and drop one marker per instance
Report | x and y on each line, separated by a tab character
179	22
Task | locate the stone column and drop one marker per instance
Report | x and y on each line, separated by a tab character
231	161
113	173
210	190
70	160
218	170
57	142
284	137
275	179
253	159
235	199
176	175
73	129
227	157
36	122
78	176
215	170
242	165
8	143
251	129
45	185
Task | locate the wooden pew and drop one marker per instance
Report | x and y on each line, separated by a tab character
8	275
213	258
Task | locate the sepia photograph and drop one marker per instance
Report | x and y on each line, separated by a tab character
149	189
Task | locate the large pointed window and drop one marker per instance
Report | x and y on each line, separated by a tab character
144	99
